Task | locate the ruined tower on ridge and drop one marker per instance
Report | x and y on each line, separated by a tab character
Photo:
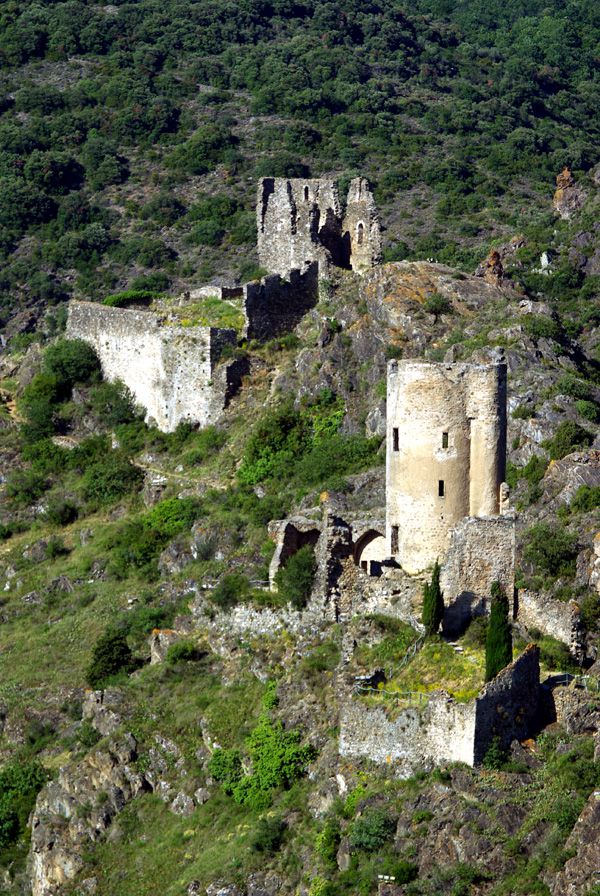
446	454
300	221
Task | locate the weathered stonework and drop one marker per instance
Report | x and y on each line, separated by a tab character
446	454
273	306
300	221
482	551
553	617
444	730
173	372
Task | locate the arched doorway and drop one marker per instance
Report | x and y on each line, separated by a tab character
370	551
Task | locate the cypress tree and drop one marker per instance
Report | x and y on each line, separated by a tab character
433	602
498	642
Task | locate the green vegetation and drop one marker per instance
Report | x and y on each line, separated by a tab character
433	602
498	644
551	549
295	580
19	786
111	656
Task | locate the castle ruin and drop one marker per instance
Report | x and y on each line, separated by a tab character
446	454
302	220
173	372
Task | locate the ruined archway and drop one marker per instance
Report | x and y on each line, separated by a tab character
370	550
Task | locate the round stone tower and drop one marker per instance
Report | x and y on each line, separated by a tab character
446	454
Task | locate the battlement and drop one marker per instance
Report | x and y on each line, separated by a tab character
300	221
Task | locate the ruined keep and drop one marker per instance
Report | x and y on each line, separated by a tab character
173	372
446	454
302	220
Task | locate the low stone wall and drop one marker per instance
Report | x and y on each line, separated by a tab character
172	372
552	617
482	550
274	306
444	730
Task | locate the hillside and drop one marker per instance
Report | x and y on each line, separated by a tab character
169	725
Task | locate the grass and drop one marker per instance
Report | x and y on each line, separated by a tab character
209	312
438	667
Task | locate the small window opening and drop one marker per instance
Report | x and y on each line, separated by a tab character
444	440
441	488
396	439
364	564
394	539
306	194
360	234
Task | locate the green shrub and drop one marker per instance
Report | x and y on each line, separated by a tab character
437	304
433	602
567	438
112	404
131	297
295	580
585	499
268	835
87	735
231	590
111	478
327	841
225	766
498	642
371	830
539	326
56	548
555	655
71	361
111	656
20	783
61	511
183	652
24	487
573	386
551	549
589	410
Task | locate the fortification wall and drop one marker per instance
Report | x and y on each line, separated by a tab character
443	730
171	371
481	551
273	306
446	449
553	617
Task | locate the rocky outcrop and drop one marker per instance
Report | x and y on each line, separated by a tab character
77	809
580	873
569	197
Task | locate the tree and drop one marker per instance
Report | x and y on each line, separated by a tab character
433	602
498	643
111	655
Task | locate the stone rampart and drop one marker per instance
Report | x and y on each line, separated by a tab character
552	617
172	372
482	551
274	305
443	730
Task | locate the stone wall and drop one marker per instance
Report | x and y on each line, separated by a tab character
172	372
482	550
446	451
552	617
300	221
443	730
274	305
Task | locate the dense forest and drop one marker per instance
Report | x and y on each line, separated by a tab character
132	134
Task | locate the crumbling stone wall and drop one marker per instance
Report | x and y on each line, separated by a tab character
552	617
173	372
443	730
274	305
446	453
301	221
482	551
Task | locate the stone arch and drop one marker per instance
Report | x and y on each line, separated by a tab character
370	550
290	539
